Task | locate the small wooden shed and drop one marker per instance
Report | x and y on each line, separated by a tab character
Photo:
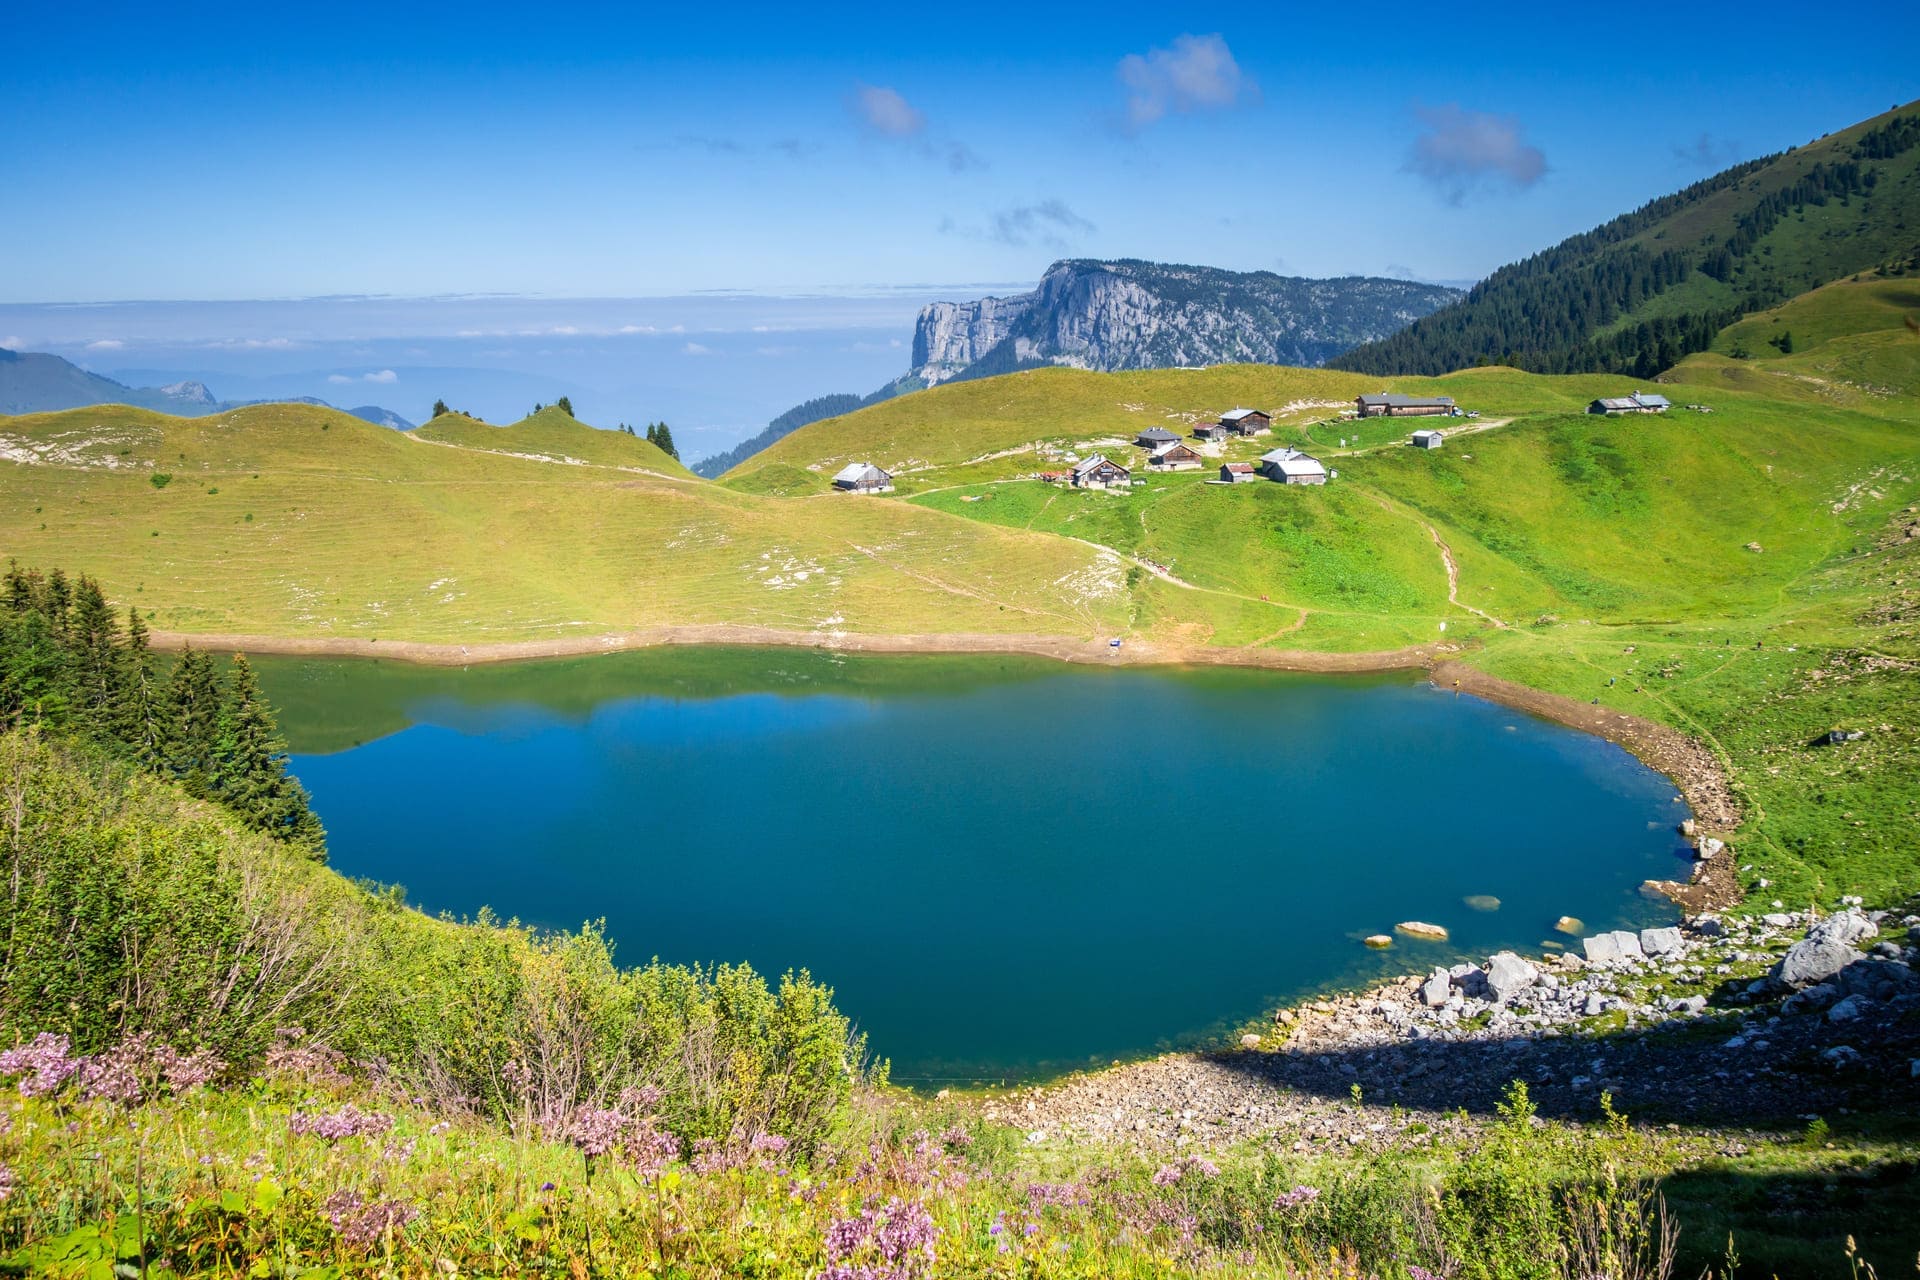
1290	466
1175	457
1429	439
863	477
1238	473
1248	422
1154	437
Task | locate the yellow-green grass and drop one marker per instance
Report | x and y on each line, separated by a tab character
555	435
296	520
1026	422
1852	345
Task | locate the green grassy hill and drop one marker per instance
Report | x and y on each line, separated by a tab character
295	520
1646	289
554	435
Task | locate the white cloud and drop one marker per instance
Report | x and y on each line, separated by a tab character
776	352
338	378
384	377
1461	151
1197	74
1050	223
13	343
889	115
885	112
106	344
695	349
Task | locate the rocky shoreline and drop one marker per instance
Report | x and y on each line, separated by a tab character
1737	1023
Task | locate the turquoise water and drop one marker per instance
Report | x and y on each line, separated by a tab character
1004	867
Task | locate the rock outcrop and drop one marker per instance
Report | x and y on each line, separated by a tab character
1147	315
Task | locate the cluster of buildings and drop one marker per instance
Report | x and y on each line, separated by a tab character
1169	451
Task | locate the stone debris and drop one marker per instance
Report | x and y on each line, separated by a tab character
1395	1065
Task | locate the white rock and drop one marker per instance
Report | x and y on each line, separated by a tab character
1847	1010
1661	942
1508	975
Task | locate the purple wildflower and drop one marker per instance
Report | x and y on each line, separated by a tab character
1168	1174
361	1222
314	1063
546	1186
1057	1195
771	1143
595	1130
348	1122
1298	1198
641	1100
906	1232
46	1063
187	1071
955	1136
7	1182
1421	1273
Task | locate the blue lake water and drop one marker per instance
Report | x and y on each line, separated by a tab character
1004	867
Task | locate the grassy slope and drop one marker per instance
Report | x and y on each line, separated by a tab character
554	435
291	519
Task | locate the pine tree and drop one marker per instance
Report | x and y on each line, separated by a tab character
137	721
664	438
250	766
98	661
190	724
440	408
36	675
564	405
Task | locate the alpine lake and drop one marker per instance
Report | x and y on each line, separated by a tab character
1007	868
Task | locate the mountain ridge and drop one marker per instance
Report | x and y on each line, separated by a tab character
1641	291
41	382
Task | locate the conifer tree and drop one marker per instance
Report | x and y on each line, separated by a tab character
137	715
250	766
564	405
99	662
190	723
440	408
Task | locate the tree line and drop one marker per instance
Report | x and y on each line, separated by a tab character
1560	311
67	664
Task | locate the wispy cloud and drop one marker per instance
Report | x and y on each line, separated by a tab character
1050	223
1460	152
338	379
1706	152
13	342
386	377
696	349
105	344
885	113
1199	73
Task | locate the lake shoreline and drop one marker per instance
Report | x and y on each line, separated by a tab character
1689	763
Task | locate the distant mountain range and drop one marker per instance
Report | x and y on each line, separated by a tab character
1130	314
39	382
1639	293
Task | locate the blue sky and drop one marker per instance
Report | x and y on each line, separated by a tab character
211	152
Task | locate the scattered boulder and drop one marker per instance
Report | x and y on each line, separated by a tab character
1688	1005
1421	929
1828	948
1569	925
1605	948
1437	989
1482	902
1378	941
1841	1056
1249	1041
1661	942
1847	1010
1708	847
1508	975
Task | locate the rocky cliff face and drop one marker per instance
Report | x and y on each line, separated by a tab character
1147	315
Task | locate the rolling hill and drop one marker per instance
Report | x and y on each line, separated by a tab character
38	382
1640	292
293	520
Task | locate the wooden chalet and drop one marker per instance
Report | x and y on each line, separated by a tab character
1247	422
1429	439
1211	431
1238	473
1290	466
1153	437
1393	405
1098	473
1638	402
1175	457
863	477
